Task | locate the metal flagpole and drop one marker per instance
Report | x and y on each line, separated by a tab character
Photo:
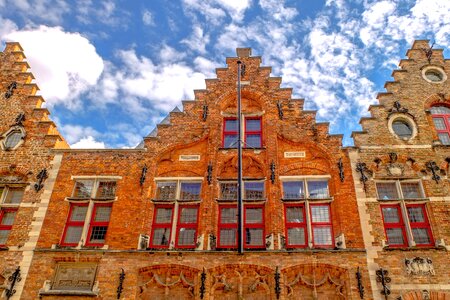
239	152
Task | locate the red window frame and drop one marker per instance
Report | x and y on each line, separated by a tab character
400	224
254	132
254	226
321	224
162	225
229	132
446	122
246	225
70	223
6	227
289	225
186	226
94	223
227	226
422	225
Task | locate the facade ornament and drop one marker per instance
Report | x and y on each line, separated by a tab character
360	285
433	167
419	266
280	110
341	169
19	119
205	112
10	90
277	283
143	175
212	241
398	109
41	178
384	279
272	172
13	279
393	157
203	284
120	287
395	170
362	168
209	176
428	52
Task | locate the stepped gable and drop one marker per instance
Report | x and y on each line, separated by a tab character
260	92
409	97
18	95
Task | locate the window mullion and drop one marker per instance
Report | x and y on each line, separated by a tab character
175	216
308	223
87	224
407	225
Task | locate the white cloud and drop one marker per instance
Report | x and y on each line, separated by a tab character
216	10
73	133
52	11
7	27
277	10
88	143
198	39
147	18
169	54
65	64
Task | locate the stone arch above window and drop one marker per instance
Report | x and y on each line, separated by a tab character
13	138
441	121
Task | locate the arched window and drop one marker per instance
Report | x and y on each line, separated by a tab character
441	120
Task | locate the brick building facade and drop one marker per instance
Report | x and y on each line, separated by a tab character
159	221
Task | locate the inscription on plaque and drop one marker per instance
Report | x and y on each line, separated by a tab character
193	157
294	154
75	276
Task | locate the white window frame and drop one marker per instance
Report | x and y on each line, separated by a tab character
403	202
91	201
307	201
177	202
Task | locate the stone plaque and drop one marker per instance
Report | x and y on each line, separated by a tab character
419	266
192	157
75	276
294	154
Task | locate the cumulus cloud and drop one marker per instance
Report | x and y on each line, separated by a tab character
50	11
147	18
65	64
88	143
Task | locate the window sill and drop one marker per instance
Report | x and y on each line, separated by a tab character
328	199
405	199
415	248
77	199
67	293
172	201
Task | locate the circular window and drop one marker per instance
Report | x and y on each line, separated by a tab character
402	129
434	74
13	139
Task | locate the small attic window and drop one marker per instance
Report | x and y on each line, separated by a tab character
402	129
434	74
13	138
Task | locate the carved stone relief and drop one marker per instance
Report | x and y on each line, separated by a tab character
419	266
74	276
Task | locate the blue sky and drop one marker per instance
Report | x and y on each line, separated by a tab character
111	70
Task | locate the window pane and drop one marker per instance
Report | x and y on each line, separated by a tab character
387	190
227	237
438	110
416	215
228	215
296	236
83	188
231	125
8	218
439	123
78	213
320	214
395	236
391	215
186	237
106	189
293	190
294	214
402	129
188	215
166	190
190	190
318	189
1	192
73	234
253	215
13	139
3	236
421	236
161	236
253	236
411	190
254	190
253	141
163	215
444	138
102	213
14	195
322	235
230	141
228	190
98	234
253	125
